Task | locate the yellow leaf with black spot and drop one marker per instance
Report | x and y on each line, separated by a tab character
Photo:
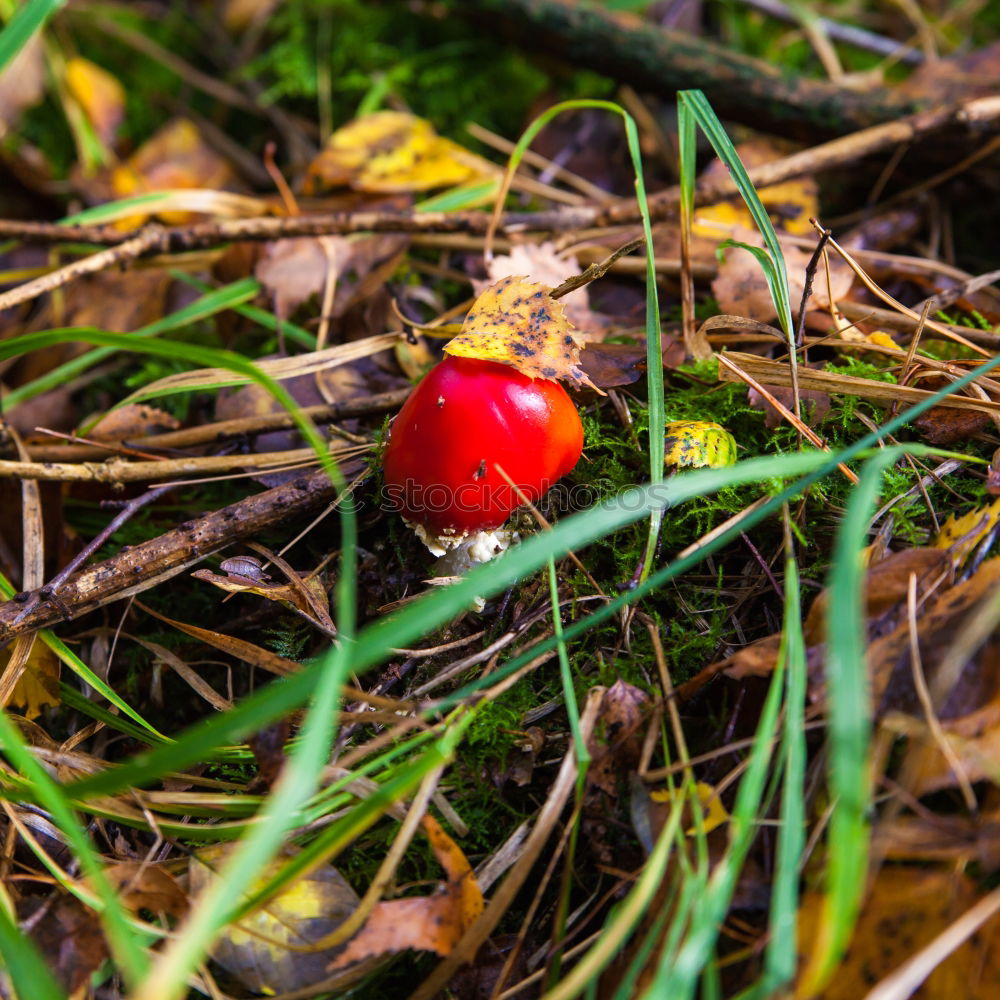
697	443
516	322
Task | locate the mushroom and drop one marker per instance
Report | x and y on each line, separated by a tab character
464	420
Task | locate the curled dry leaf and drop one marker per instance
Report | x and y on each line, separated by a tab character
425	923
310	598
517	323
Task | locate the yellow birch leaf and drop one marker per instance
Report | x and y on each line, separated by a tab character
100	95
392	151
516	322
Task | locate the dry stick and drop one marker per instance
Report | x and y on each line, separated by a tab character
941	328
141	567
125	514
223	429
776	373
889	319
117	472
795	421
101	261
836	153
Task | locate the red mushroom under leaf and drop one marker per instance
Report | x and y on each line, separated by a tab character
462	421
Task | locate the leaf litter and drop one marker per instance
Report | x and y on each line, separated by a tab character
182	652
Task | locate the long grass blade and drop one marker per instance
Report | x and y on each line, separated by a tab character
29	17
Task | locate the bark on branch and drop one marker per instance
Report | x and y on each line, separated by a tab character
661	61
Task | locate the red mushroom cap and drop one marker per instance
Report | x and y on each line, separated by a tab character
465	417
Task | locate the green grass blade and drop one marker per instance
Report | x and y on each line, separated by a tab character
28	970
67	656
207	357
128	950
262	317
29	17
696	104
566	673
849	728
677	975
781	956
654	350
208	305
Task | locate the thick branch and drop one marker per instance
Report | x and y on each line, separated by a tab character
661	61
140	567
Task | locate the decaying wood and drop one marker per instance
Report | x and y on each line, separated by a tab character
136	569
661	61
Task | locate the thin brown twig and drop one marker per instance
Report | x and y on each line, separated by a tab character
795	421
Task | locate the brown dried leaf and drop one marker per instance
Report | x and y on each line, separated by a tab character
70	939
517	323
145	886
134	420
177	156
611	365
907	907
425	923
741	289
886	584
295	270
38	686
939	620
